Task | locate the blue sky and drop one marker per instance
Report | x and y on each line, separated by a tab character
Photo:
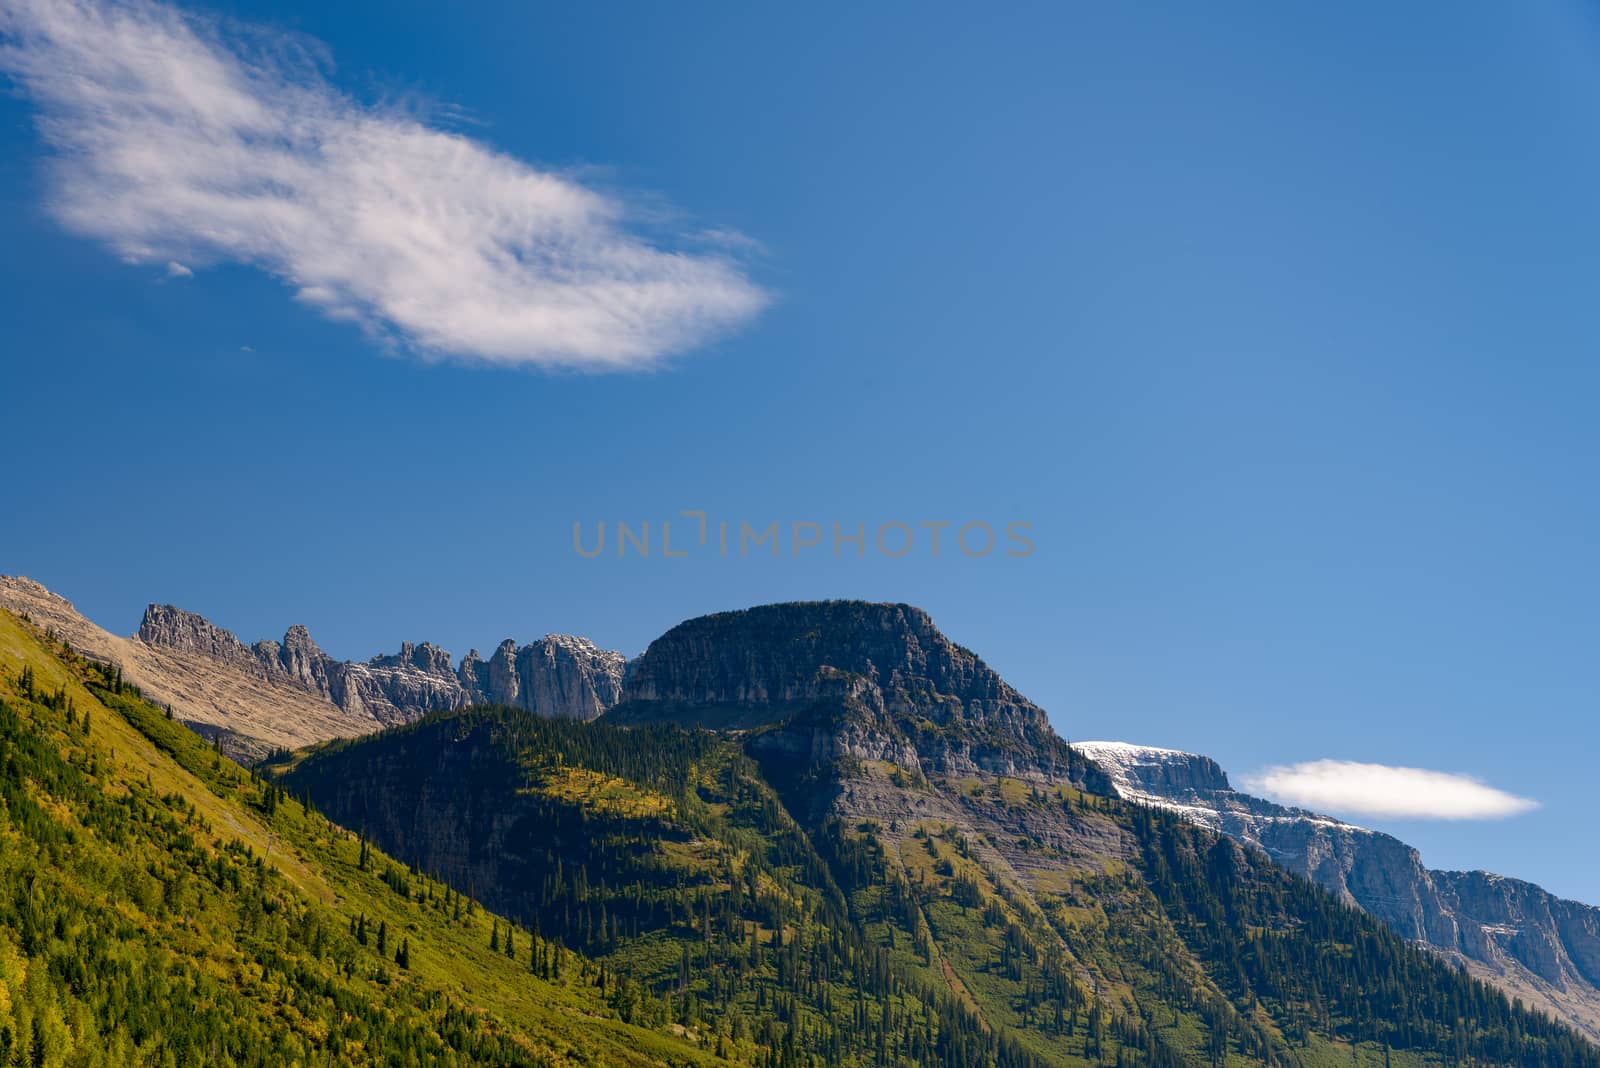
1276	329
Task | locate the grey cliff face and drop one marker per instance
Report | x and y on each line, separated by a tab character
473	674
1509	931
173	627
1169	773
557	675
1555	938
503	686
569	675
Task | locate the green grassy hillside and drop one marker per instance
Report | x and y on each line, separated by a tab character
159	905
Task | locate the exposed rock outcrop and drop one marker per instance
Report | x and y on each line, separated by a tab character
563	675
174	628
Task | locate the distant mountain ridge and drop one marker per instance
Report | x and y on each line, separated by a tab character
558	675
271	695
1512	933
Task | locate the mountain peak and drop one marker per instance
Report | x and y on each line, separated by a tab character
843	680
780	656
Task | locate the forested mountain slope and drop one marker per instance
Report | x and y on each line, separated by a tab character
892	860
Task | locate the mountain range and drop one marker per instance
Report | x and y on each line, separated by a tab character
875	788
901	791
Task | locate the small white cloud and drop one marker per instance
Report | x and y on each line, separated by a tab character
186	140
1345	786
178	270
246	348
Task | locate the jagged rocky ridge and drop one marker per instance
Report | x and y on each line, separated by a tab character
1513	933
558	675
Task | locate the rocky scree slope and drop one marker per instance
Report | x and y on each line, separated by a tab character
250	712
1514	934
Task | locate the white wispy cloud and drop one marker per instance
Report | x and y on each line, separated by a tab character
178	270
184	140
1350	787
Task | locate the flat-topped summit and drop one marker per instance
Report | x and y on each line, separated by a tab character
1146	769
843	679
780	656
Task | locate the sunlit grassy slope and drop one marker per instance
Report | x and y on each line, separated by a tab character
160	905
